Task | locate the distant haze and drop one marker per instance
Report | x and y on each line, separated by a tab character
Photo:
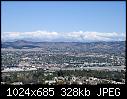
79	36
66	21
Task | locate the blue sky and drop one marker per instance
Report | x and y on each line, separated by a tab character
76	19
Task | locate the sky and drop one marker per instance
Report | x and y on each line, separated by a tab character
63	20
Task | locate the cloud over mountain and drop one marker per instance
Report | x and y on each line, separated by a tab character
65	37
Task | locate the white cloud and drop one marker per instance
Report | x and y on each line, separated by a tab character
71	36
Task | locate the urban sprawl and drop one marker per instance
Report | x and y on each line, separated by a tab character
64	63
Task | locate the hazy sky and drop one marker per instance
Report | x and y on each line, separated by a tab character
63	21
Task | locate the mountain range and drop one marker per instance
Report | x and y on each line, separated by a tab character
113	47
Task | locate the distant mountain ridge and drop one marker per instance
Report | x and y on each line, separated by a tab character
113	47
18	44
